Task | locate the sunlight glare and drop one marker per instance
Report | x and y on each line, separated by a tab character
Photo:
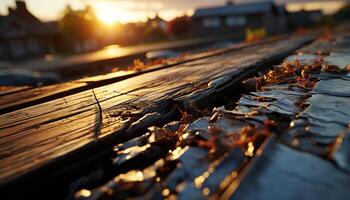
107	13
110	14
107	17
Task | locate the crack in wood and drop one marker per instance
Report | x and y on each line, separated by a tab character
99	120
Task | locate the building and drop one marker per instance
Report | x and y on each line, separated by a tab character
157	22
304	18
22	35
155	29
236	18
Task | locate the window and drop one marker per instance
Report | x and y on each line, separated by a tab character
235	21
211	22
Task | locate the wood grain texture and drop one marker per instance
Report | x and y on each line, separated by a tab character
26	96
6	90
36	136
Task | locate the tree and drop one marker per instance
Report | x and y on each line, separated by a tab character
78	24
179	26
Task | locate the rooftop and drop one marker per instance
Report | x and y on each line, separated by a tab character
236	9
20	18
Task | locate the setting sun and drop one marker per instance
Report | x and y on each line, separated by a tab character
111	13
108	18
106	14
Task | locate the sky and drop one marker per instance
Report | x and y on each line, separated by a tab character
125	11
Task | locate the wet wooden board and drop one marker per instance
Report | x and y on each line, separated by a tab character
316	143
36	136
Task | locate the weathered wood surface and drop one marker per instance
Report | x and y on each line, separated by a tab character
286	139
26	96
6	90
36	136
18	99
310	160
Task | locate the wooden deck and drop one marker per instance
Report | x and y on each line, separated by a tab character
63	130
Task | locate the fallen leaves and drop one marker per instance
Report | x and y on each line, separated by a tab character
220	142
295	72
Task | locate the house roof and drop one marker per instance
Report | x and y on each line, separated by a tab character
235	9
303	12
28	23
156	18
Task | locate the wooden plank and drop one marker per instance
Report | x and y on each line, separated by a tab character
36	136
6	90
108	56
29	97
24	98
